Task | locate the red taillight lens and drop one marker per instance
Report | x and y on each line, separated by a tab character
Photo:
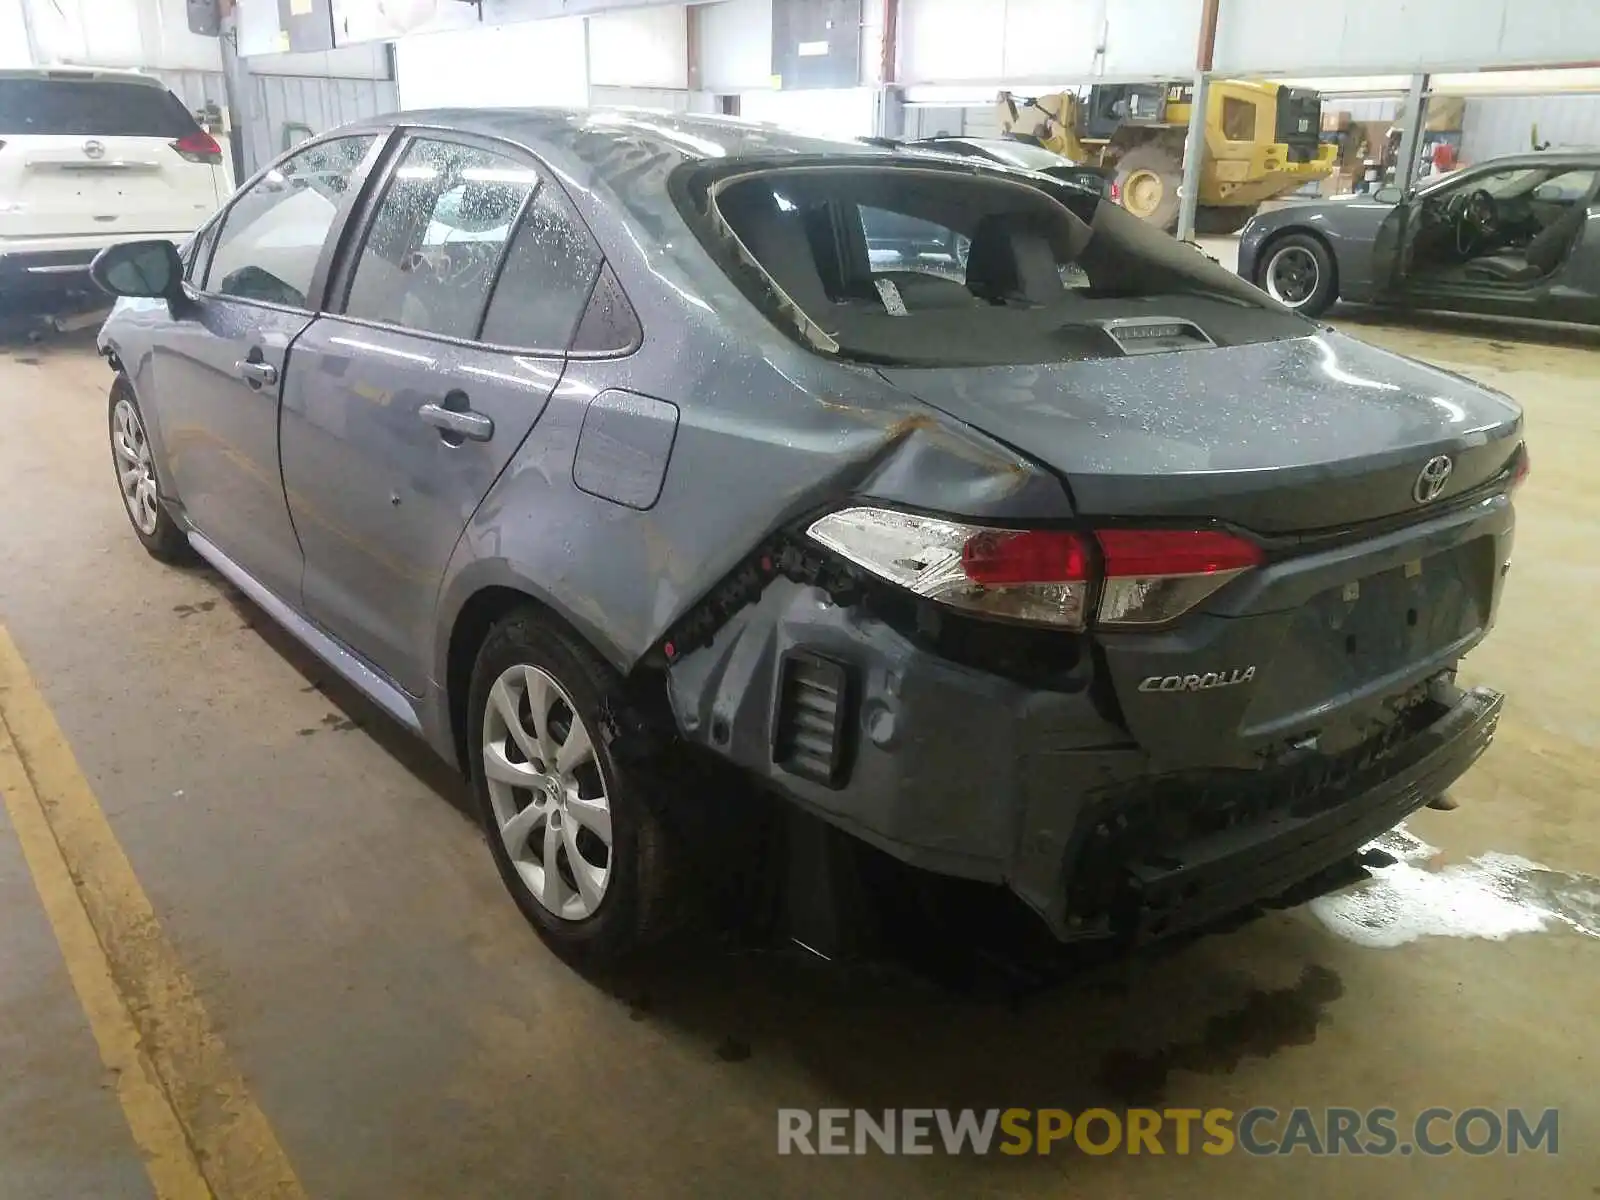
1001	557
1175	551
199	146
1155	575
1116	192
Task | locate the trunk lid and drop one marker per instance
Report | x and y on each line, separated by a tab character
81	154
1338	634
1279	437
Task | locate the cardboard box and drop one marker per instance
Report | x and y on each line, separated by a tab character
1335	122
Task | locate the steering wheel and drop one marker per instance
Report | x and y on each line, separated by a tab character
1476	216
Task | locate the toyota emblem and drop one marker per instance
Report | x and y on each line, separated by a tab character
1432	479
94	149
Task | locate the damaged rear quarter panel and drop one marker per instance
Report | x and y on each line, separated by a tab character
768	432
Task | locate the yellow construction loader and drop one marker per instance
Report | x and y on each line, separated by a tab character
1262	140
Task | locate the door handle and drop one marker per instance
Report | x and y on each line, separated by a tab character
256	374
462	422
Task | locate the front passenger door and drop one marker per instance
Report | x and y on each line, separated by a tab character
401	412
220	365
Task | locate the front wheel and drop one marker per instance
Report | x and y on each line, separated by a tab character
1297	271
135	465
573	828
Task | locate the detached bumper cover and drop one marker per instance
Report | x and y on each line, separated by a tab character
43	282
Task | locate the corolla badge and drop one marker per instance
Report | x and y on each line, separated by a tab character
1197	683
1430	482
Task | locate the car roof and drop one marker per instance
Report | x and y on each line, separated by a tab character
687	135
83	75
1538	158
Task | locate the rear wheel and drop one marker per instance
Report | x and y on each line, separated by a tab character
1148	178
135	465
1297	272
574	829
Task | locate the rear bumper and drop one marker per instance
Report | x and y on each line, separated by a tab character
1214	876
968	774
50	276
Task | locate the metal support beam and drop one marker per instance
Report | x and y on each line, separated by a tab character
1405	164
236	95
1194	147
1194	153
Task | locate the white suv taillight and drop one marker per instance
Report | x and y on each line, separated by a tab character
1149	577
198	147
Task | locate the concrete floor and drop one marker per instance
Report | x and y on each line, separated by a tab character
406	1035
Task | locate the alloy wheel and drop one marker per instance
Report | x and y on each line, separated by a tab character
1292	276
135	468
548	792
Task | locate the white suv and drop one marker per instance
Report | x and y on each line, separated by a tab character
89	158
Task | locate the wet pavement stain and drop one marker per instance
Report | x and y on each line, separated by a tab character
1269	1020
1492	896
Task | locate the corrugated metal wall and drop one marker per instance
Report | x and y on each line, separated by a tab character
1504	124
284	109
931	121
195	88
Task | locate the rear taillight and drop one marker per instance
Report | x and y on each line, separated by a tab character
1154	575
1148	577
199	147
1520	468
1022	575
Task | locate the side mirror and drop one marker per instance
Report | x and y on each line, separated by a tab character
1388	194
150	270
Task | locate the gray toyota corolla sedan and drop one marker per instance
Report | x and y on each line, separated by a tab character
1044	554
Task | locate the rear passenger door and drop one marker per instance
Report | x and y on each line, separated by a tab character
406	401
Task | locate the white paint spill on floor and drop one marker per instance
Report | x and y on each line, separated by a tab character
1492	896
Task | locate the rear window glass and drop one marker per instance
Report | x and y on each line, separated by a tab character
936	267
91	108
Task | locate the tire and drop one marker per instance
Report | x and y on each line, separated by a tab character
1149	178
1298	272
526	660
1211	220
161	536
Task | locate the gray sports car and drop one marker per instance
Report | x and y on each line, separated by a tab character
598	449
1516	237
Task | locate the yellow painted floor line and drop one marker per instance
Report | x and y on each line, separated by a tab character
191	1115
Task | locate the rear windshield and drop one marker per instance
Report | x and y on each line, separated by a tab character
91	107
924	266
